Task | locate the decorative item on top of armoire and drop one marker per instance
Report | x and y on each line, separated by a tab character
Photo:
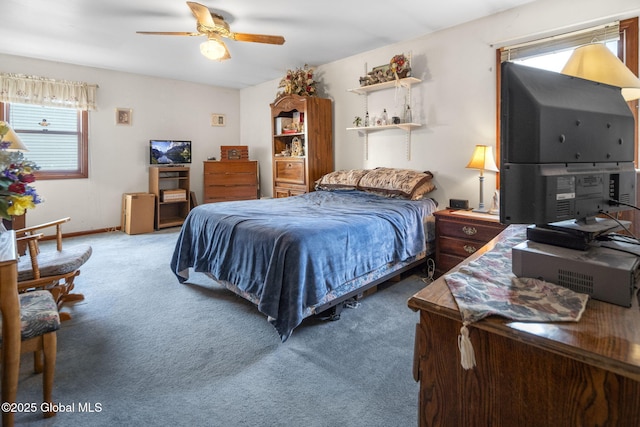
298	82
310	140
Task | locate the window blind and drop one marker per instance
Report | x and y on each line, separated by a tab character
602	33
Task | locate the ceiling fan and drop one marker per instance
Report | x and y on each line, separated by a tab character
214	27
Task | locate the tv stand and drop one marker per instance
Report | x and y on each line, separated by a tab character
170	185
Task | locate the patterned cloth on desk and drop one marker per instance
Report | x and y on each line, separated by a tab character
487	287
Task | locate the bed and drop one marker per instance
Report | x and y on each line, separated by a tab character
298	256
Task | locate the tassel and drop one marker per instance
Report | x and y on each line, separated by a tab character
467	356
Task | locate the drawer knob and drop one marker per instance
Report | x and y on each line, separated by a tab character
469	249
469	231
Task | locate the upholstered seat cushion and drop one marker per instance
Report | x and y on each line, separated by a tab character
38	314
53	263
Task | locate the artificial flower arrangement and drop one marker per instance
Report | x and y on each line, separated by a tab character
298	82
16	175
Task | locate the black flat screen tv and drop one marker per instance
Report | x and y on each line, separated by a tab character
566	148
169	152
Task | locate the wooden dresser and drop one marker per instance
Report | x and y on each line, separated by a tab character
230	180
460	234
561	374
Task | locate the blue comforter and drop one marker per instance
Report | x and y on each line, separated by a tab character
288	253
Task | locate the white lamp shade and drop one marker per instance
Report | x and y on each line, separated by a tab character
597	63
483	159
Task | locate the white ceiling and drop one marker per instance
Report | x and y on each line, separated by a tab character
102	33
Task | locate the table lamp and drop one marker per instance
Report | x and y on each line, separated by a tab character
482	159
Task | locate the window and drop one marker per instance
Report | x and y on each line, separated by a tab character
555	61
56	138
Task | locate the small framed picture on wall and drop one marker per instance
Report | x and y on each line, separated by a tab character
218	120
123	116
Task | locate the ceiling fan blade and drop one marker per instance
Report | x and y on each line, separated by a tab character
168	33
257	38
202	14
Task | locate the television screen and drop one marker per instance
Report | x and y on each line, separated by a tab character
169	152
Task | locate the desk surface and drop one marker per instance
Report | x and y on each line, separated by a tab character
607	336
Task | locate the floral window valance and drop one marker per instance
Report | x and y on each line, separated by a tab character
49	92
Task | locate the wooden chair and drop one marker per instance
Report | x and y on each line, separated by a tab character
29	324
52	270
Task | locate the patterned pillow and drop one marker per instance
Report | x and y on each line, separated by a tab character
401	183
341	180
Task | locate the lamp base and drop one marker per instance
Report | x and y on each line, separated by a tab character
481	210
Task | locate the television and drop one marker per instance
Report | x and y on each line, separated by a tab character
566	148
169	152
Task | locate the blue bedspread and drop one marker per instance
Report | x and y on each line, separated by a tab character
289	253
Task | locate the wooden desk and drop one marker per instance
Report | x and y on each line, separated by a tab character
527	374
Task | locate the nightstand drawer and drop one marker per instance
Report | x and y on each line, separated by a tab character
446	262
469	230
459	247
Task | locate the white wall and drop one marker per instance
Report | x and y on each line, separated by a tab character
119	155
456	101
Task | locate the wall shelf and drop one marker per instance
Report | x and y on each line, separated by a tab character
404	126
405	83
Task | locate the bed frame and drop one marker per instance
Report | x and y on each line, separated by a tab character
331	310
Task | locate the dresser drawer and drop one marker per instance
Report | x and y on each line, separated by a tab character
291	171
482	232
217	193
230	179
232	167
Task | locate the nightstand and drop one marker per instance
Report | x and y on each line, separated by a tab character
461	233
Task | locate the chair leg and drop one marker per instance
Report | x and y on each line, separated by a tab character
38	366
65	295
61	295
49	344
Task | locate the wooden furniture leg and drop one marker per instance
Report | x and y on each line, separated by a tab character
11	339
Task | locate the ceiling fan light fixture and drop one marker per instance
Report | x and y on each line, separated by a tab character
214	49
